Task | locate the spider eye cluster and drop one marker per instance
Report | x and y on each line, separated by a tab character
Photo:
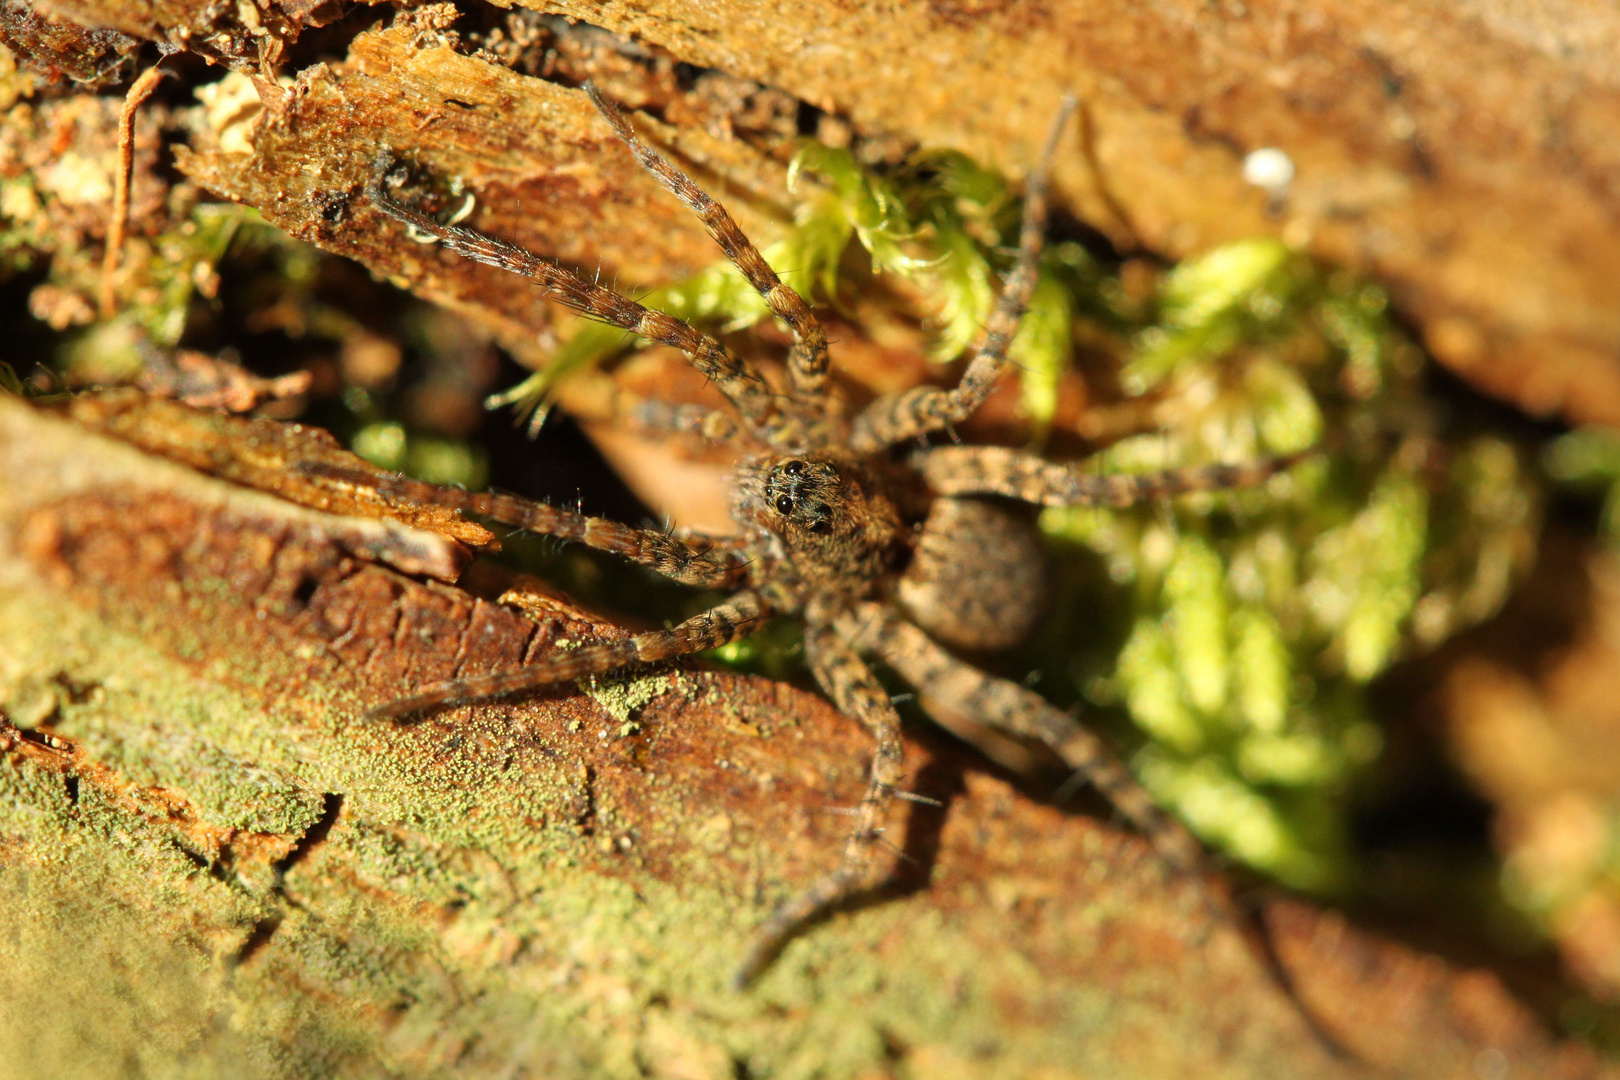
802	494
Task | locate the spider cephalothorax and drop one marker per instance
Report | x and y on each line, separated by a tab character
825	527
877	546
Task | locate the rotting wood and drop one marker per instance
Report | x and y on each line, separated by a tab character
1483	1022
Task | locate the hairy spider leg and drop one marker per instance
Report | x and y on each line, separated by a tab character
1014	709
846	679
690	560
1004	705
897	418
740	384
807	363
722	624
998	470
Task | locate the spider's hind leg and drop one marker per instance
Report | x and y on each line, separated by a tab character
1011	708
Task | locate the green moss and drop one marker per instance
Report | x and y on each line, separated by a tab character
1241	627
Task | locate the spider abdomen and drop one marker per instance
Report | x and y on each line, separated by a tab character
977	575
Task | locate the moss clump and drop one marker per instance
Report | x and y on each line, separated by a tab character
1239	629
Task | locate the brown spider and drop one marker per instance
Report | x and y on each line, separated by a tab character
878	543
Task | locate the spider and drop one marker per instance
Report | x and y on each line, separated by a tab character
881	544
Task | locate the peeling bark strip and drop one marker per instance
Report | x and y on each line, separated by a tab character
547	172
280	459
209	856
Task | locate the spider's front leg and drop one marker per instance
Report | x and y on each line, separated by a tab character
687	559
855	690
720	625
999	470
807	364
740	384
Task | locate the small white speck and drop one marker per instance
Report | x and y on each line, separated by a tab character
1270	169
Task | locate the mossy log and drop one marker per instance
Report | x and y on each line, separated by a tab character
214	865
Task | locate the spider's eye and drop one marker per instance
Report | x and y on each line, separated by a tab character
793	468
784	506
820	525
